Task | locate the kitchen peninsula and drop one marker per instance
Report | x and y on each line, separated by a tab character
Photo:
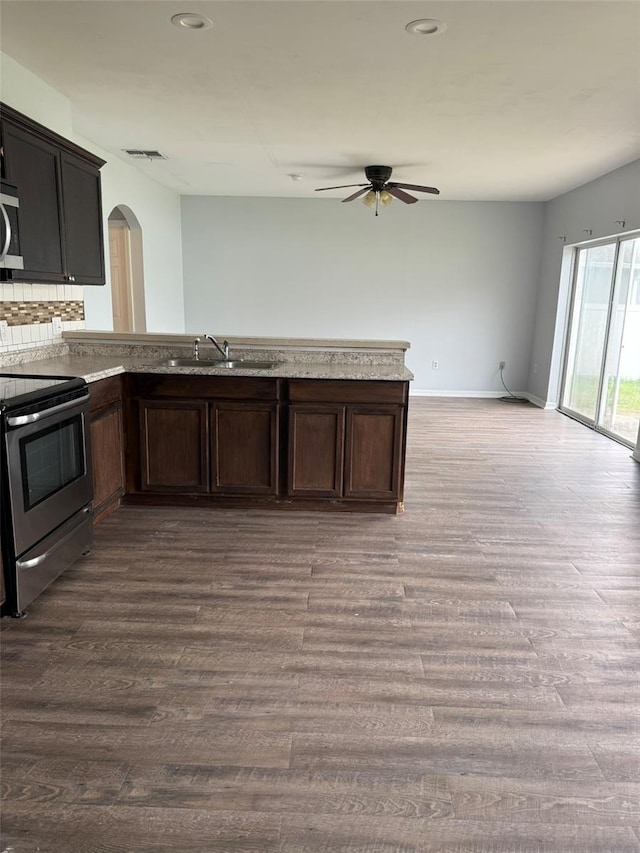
322	428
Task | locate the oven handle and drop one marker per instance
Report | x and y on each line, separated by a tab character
22	420
36	561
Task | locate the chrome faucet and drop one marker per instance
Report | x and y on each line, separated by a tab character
223	350
196	353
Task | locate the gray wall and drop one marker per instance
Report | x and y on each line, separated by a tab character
595	206
457	279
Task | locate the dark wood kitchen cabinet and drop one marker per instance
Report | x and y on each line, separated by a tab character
352	450
173	446
316	450
373	452
82	209
243	447
207	435
60	213
253	441
107	445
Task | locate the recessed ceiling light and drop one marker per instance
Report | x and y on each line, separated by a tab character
426	27
191	21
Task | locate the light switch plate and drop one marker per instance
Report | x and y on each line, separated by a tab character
56	322
5	337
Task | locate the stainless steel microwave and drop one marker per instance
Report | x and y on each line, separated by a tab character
10	256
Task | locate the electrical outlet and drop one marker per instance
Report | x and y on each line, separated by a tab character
5	337
501	366
434	365
56	323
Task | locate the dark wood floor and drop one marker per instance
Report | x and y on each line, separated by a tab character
463	677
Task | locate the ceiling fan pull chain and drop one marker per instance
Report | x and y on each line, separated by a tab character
377	200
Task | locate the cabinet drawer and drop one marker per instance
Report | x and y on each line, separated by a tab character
346	391
206	387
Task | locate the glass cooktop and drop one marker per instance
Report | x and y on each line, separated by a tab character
18	390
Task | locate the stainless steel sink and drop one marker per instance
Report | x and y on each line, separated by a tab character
230	364
247	365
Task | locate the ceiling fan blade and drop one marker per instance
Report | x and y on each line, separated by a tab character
356	194
415	187
345	187
401	194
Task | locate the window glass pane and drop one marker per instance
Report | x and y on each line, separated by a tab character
588	329
621	405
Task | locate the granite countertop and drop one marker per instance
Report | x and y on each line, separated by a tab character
91	368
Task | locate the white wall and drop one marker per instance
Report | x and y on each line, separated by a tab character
158	212
456	279
23	90
157	208
595	206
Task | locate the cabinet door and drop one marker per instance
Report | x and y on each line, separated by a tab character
373	457
32	165
316	450
107	450
82	209
244	448
3	594
173	451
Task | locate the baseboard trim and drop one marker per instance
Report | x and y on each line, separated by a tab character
540	403
537	401
422	393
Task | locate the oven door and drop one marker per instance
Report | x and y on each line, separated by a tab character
49	469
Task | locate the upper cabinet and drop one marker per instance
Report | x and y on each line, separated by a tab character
60	213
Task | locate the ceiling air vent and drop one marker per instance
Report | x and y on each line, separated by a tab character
140	154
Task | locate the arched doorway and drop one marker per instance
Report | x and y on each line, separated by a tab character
127	272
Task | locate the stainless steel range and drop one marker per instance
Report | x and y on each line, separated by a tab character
47	488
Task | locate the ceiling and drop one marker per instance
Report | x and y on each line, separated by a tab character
518	100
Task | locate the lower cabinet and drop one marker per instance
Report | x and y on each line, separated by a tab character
243	448
373	452
316	444
316	450
107	444
345	451
193	441
174	446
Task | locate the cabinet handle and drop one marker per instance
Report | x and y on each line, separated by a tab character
71	278
7	237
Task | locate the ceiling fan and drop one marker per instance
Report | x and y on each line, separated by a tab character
380	190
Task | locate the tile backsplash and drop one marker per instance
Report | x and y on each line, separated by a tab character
29	311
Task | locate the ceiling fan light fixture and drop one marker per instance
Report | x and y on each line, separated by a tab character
191	21
370	199
426	27
380	190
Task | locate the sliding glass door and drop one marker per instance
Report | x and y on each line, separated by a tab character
601	384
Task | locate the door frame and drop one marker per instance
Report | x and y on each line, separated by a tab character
136	264
600	400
